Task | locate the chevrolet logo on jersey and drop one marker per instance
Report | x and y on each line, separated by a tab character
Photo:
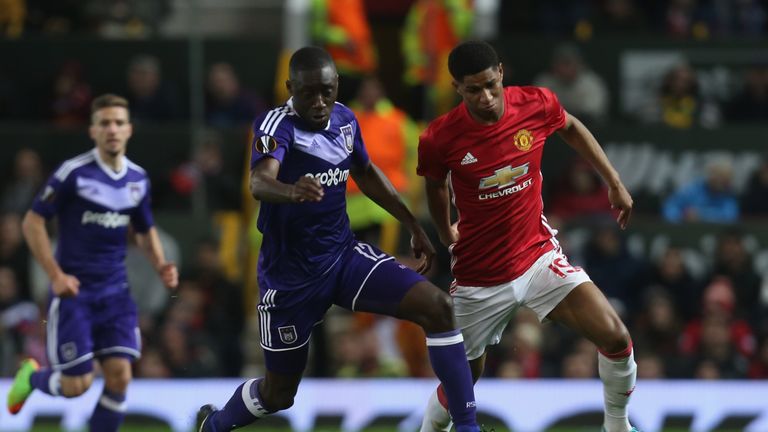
504	177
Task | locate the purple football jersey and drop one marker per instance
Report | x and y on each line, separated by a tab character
304	240
94	205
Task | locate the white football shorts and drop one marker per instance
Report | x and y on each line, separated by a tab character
482	313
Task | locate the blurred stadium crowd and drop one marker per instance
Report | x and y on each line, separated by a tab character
694	312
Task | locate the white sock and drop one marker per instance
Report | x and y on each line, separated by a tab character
619	376
436	418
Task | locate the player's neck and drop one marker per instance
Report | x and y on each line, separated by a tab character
112	161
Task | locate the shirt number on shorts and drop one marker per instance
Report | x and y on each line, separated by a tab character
369	252
562	268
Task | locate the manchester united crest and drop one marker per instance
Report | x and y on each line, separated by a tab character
523	140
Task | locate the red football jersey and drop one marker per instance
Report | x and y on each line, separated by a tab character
496	180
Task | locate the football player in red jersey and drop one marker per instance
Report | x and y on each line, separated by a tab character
504	254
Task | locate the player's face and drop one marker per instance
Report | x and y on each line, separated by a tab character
314	94
483	93
110	130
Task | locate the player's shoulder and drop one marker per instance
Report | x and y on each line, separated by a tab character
135	168
343	113
526	93
73	164
277	119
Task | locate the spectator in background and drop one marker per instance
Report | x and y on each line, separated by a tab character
207	171
14	253
127	18
679	103
149	98
754	201
734	262
751	103
227	104
618	274
579	192
689	18
580	90
432	28
657	328
26	182
390	137
672	276
341	27
710	199
70	103
718	344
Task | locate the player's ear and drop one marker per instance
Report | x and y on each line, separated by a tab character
288	86
455	85
501	73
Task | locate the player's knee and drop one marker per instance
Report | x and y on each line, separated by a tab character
74	386
617	339
118	382
440	316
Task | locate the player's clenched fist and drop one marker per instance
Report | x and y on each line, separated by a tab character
65	285
307	189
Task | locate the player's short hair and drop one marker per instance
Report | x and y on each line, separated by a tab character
471	57
309	58
108	100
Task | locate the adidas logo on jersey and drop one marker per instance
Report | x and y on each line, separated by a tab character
468	159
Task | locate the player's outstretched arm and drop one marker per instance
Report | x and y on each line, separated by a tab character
576	135
439	202
39	243
149	242
265	186
375	185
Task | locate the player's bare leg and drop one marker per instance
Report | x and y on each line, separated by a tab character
432	309
110	409
436	417
75	385
586	310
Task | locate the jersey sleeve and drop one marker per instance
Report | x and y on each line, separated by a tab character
360	156
272	137
142	219
554	114
53	196
430	164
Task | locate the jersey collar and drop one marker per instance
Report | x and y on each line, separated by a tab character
107	169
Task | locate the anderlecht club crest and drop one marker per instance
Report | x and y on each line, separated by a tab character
349	137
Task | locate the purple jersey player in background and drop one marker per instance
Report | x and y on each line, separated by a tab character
91	314
302	155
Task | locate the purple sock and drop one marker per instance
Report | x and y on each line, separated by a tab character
446	353
109	412
47	381
243	408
